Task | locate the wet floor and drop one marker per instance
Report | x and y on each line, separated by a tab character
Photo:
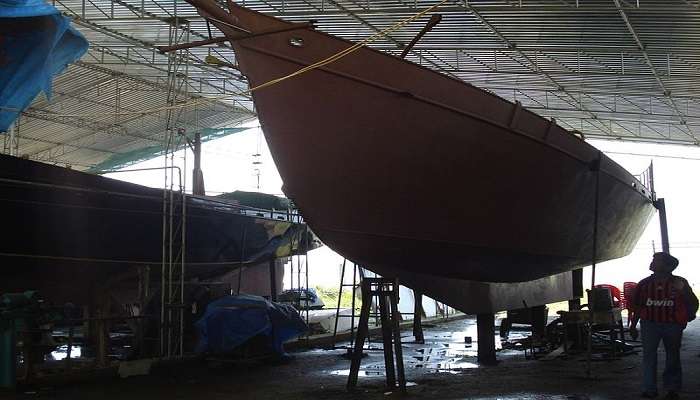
445	350
444	367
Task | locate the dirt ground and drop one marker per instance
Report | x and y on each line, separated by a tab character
443	368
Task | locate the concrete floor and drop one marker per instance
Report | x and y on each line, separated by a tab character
444	368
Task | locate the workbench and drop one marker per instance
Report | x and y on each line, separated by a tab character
610	320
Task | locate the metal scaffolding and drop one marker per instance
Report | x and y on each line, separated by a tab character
11	141
174	201
610	69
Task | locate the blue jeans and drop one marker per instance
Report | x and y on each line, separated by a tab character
671	334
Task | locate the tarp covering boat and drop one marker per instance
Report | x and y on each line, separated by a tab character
258	200
63	228
36	43
233	320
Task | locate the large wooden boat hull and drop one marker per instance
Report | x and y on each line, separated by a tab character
396	166
65	232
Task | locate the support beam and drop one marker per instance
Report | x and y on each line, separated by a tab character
198	175
417	317
486	339
660	205
8	353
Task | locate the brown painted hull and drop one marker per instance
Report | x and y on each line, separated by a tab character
396	166
472	297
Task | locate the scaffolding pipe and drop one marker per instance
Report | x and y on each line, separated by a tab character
183	252
306	271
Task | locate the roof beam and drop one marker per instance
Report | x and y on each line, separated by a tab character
139	14
95	129
647	60
53	153
588	90
610	116
642	48
78	122
644	7
80	146
193	82
556	49
533	65
642	139
87	23
391	39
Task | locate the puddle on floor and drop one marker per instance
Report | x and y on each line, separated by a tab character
362	372
444	351
455	365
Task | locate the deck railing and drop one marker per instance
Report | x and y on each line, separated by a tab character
647	180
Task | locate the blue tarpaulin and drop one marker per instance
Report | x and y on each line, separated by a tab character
232	320
36	43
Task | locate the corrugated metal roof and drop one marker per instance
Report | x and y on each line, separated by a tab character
620	69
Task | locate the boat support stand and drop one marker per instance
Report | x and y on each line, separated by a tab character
486	339
386	291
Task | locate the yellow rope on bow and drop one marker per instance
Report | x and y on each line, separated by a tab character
351	49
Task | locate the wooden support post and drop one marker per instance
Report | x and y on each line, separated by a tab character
387	325
8	354
577	289
69	348
273	281
362	331
144	275
387	292
486	353
417	315
337	309
102	340
538	320
396	318
100	326
574	304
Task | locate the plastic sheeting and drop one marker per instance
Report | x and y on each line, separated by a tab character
123	160
36	43
258	200
232	320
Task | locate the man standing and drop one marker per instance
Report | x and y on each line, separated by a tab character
665	303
